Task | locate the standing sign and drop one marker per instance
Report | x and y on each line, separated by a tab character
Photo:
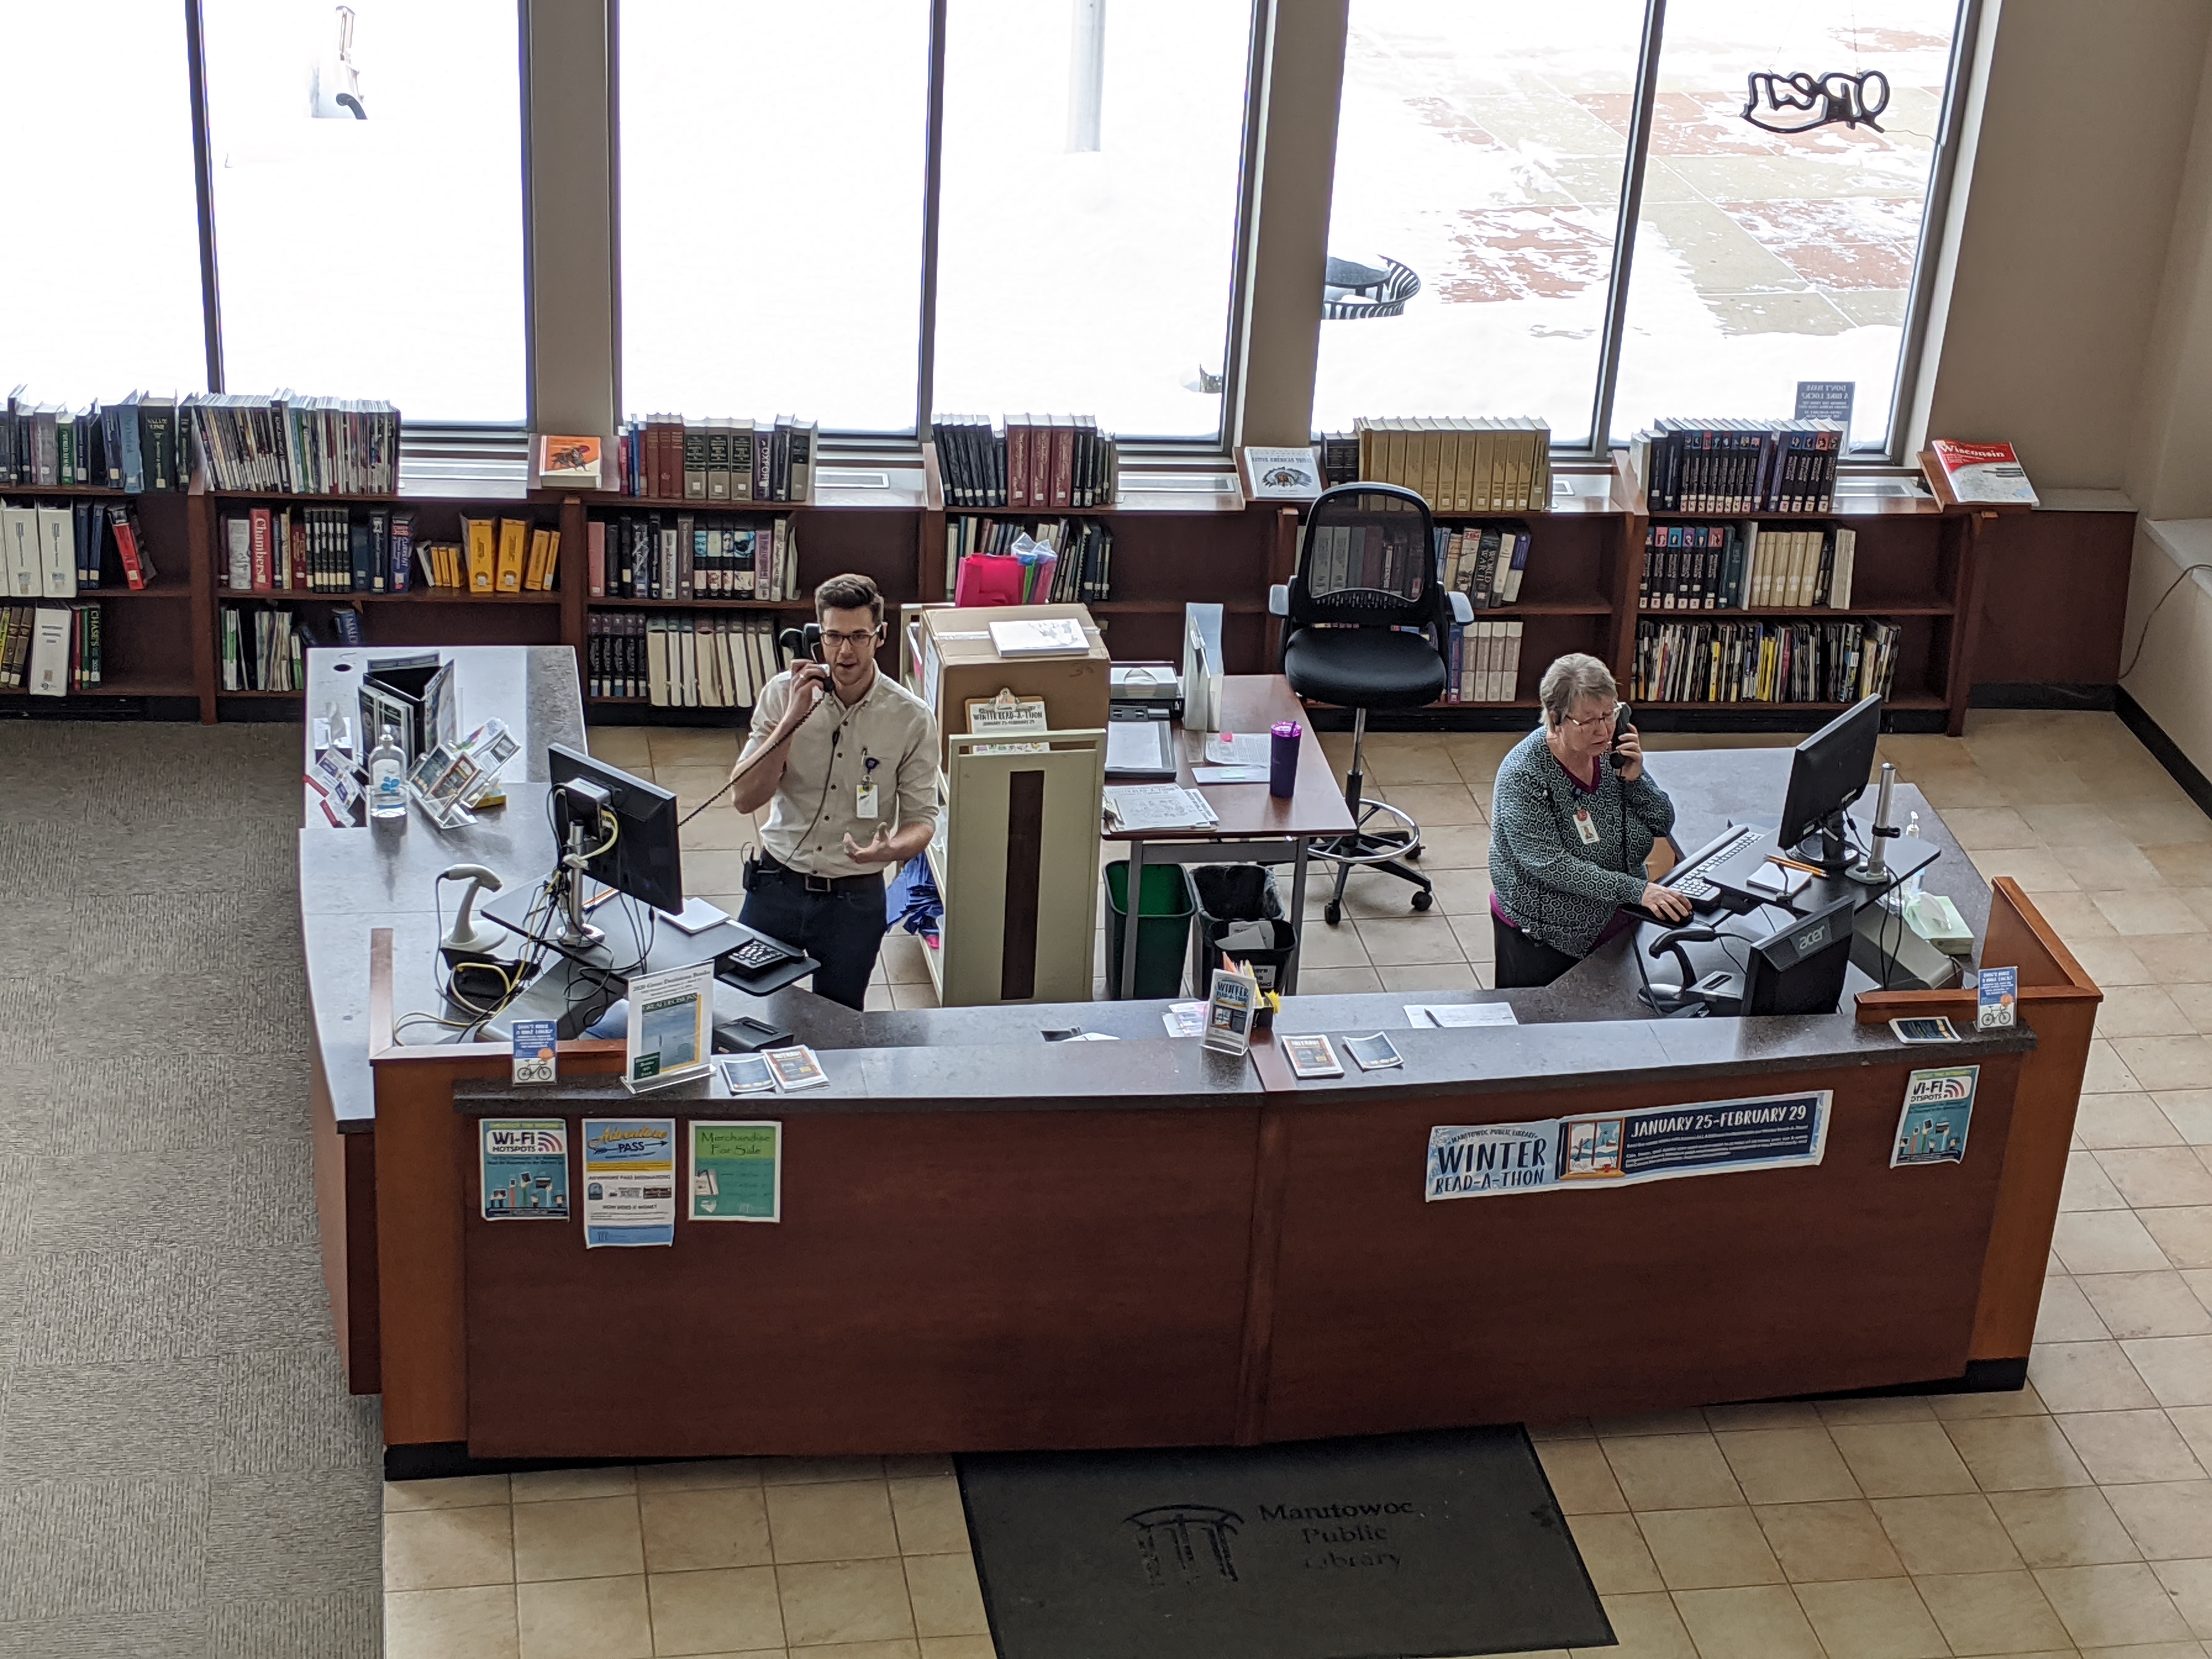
1939	1110
1996	999
737	1172
1826	400
1624	1149
630	1181
671	1016
525	1169
1229	1012
536	1051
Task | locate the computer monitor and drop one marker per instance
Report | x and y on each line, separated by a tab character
1799	967
645	861
1828	771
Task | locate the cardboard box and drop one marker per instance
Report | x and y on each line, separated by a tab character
959	662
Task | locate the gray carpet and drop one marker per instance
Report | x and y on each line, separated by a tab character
181	1470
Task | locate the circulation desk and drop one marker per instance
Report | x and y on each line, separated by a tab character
992	1241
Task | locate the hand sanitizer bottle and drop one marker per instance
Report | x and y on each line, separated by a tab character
387	780
1912	882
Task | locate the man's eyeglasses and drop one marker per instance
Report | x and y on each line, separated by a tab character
860	641
1587	721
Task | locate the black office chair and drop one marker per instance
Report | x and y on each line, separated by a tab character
1367	626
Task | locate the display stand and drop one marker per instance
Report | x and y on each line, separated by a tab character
1016	862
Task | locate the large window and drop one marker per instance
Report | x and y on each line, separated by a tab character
366	160
1474	147
1086	252
773	166
1080	217
1486	148
100	276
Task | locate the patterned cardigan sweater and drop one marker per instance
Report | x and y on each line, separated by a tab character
1551	885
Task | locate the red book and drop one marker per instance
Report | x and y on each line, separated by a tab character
595	539
1041	462
672	461
262	528
126	546
1017	464
1063	464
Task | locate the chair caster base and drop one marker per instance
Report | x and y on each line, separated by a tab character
1422	901
1331	913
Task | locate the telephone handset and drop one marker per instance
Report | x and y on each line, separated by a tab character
803	641
1623	716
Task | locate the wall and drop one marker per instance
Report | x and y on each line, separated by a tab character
2087	118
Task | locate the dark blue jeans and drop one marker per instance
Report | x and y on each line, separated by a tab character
841	931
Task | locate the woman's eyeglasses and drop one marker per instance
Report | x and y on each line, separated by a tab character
1589	721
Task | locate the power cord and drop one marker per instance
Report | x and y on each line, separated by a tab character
2143	637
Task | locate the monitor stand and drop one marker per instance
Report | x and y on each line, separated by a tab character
1827	848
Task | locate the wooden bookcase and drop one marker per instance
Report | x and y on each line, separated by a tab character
1919	563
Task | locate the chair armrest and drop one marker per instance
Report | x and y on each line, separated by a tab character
1462	608
1279	599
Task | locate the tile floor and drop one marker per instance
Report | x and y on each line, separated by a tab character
2074	1517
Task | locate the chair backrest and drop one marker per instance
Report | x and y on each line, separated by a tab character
1370	560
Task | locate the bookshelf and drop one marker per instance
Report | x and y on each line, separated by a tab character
1177	540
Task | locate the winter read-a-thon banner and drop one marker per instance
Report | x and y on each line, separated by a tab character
1599	1151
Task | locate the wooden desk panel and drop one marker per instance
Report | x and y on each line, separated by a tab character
1393	1313
941	1281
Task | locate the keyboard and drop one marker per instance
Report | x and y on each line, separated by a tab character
1688	878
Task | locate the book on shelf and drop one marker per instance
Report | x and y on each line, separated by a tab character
449	566
294	446
1340	457
50	651
1484	660
1730	465
130	445
688	555
1486	564
1461	464
1745	565
682	658
314	550
1979	475
1763	661
262	649
55	549
1083	547
719	460
1029	463
1280	475
568	463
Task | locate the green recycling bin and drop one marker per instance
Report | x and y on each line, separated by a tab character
1164	913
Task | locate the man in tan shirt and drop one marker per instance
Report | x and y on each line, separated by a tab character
849	778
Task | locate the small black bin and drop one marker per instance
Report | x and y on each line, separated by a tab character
1238	907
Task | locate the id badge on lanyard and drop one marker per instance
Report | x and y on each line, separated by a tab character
1585	826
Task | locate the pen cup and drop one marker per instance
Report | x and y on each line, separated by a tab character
1283	760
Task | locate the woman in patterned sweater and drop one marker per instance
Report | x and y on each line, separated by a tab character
1569	834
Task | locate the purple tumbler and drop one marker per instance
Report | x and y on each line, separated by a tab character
1283	759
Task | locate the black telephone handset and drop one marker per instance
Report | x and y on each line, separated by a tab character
803	641
1622	717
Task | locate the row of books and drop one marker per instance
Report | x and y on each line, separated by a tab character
51	550
1727	567
1485	661
314	549
507	556
1038	462
680	555
1084	548
1459	464
671	458
296	446
1487	564
1720	465
683	658
1764	662
262	649
135	444
49	651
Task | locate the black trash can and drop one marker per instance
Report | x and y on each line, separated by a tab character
1240	913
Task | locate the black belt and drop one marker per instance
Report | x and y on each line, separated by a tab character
771	866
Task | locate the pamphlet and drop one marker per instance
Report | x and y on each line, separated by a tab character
536	1051
630	1181
1451	1016
1984	473
1229	1012
1185	1019
746	1074
1234	749
1133	806
1045	637
1933	1029
1311	1056
1996	995
1282	474
672	1018
1375	1053
525	1169
795	1068
1939	1110
737	1171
